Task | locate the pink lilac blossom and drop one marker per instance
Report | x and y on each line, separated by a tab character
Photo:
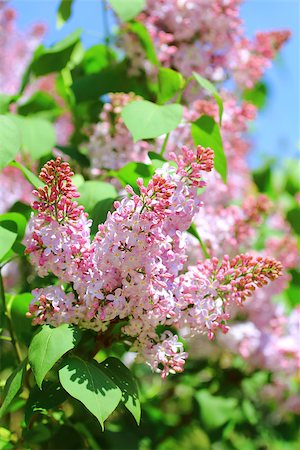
130	271
206	37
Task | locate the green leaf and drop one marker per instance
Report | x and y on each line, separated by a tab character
5	101
209	87
215	411
31	177
22	325
12	386
193	230
75	154
48	346
92	192
91	386
114	78
257	95
170	83
124	379
37	135
42	104
146	120
127	10
145	39
64	12
39	401
293	216
206	132
97	58
55	58
132	171
18	219
7	239
10	142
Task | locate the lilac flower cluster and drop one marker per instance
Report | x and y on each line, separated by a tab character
132	270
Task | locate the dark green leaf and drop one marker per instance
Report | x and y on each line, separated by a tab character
92	192
170	83
55	58
293	216
42	104
48	346
5	101
123	378
91	386
127	10
22	324
75	154
51	396
64	12
206	132
146	120
12	386
209	87
111	79
10	142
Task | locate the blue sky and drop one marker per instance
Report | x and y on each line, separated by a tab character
276	132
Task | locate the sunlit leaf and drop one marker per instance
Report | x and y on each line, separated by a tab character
146	120
10	142
48	346
91	386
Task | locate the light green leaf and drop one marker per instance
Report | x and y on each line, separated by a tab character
64	12
10	141
132	171
124	379
92	192
7	239
206	132
91	386
31	177
145	39
215	411
127	10
146	120
193	231
12	386
18	219
209	87
48	346
170	83
37	135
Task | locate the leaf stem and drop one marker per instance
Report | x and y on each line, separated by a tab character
164	144
8	320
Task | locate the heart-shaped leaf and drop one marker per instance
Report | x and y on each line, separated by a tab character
48	346
127	10
91	386
146	120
